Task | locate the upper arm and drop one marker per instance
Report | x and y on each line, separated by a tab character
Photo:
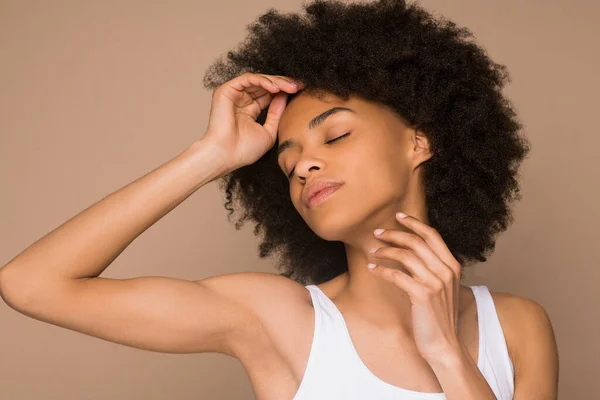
153	313
533	347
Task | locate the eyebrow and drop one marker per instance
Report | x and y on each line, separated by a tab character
316	121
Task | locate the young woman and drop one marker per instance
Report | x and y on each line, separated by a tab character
393	111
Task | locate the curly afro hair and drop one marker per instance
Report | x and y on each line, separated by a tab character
424	68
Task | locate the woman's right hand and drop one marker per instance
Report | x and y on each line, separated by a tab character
235	106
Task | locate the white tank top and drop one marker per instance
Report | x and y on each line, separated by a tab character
335	371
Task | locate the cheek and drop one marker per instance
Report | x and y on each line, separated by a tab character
379	179
375	166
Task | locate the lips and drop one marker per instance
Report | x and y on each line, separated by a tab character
313	188
322	196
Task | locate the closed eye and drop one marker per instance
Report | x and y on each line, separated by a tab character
331	141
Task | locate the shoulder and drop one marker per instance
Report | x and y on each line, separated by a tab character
266	296
277	315
527	329
518	312
257	290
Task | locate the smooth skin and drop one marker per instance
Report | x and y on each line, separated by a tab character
56	279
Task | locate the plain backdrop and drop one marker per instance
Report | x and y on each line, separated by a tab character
95	94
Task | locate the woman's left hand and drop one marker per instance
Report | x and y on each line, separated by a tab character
433	288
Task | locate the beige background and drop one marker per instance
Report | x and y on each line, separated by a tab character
94	94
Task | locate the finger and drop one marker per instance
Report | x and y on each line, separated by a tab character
264	97
257	91
413	288
432	237
248	81
296	81
417	245
274	113
282	82
412	263
263	100
278	79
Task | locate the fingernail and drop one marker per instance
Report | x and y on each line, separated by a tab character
371	265
378	231
400	215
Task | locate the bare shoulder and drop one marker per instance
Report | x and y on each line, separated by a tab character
265	295
518	312
257	290
527	329
277	310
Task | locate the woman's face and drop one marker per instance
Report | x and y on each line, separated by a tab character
376	162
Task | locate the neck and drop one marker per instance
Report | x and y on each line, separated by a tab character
376	301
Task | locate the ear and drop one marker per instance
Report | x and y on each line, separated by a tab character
420	146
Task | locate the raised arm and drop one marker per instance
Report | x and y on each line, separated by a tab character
56	279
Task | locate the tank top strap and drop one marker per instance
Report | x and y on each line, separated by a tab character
493	356
323	304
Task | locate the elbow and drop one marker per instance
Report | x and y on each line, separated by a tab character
15	290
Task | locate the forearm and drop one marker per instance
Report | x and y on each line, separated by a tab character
460	377
87	243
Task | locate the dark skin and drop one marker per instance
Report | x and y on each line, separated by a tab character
383	177
416	286
235	314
